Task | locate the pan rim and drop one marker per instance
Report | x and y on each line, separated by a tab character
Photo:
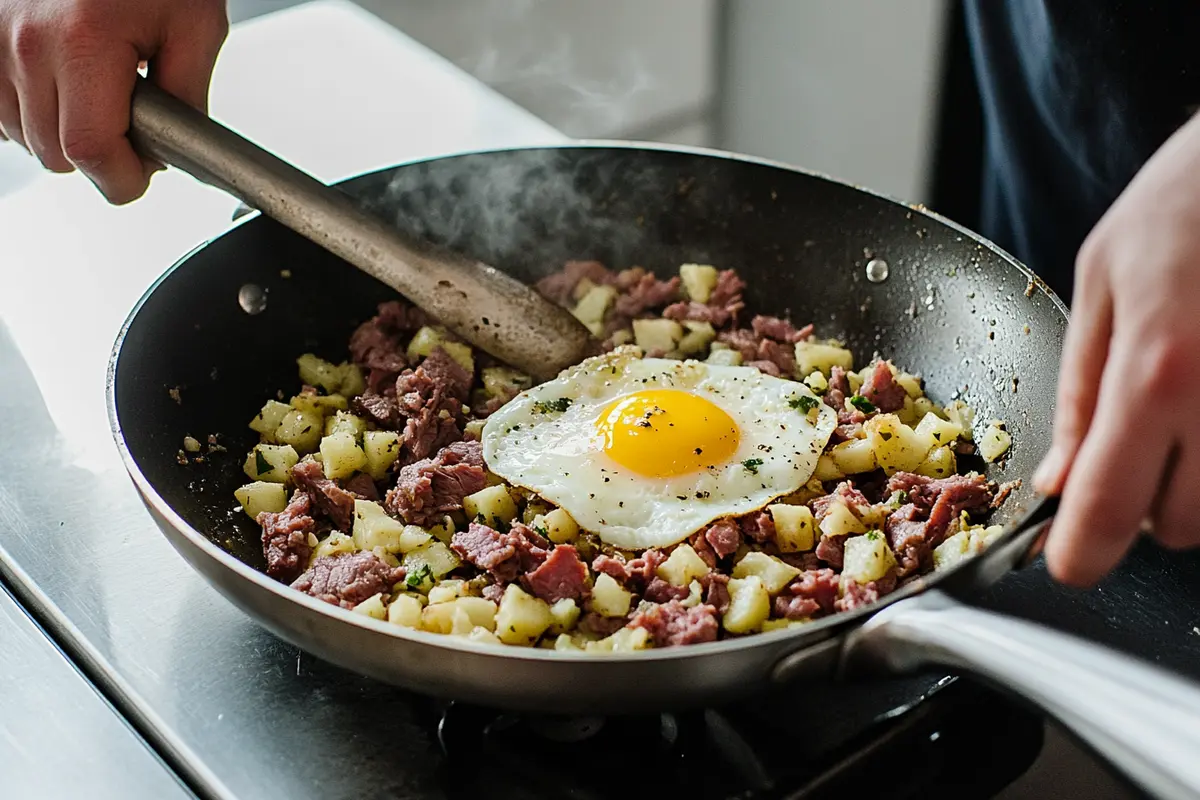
813	632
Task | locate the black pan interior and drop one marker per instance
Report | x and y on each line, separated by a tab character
953	309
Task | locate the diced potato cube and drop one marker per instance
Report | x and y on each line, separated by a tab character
780	624
300	429
262	496
696	337
942	431
817	382
442	531
749	605
381	449
319	372
982	538
827	469
867	558
503	381
682	566
405	610
854	456
592	307
724	358
266	422
565	613
775	574
911	384
320	404
372	607
624	639
994	442
962	414
474	429
438	618
492	506
560	527
695	595
922	406
855	380
335	543
897	447
840	521
374	528
461	353
940	463
341	456
424	342
345	422
952	551
522	618
353	382
657	334
584	286
480	612
436	556
565	643
907	413
813	357
623	336
609	598
698	281
446	592
795	530
270	463
484	636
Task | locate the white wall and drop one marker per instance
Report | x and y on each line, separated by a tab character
845	87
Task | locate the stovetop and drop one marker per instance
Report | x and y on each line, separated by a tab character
962	742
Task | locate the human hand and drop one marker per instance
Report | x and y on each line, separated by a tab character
1130	375
67	72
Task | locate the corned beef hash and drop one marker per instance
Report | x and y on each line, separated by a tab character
702	478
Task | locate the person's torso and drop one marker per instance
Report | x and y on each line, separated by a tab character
1077	96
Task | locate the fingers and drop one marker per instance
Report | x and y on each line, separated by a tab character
39	122
95	89
184	65
10	114
1084	355
1111	484
1175	520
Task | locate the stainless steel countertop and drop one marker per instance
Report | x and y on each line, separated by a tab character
243	715
58	737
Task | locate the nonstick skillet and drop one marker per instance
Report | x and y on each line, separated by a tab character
952	307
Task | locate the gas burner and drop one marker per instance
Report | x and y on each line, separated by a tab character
962	742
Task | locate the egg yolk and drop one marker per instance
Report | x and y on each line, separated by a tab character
665	432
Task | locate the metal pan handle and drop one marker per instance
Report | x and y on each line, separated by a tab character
1142	719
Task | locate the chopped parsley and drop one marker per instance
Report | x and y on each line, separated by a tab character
804	403
540	530
752	465
862	404
261	464
546	406
418	576
874	536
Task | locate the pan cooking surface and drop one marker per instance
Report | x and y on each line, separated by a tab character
950	308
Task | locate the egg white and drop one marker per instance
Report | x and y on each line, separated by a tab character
559	456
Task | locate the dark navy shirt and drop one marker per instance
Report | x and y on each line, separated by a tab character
1077	95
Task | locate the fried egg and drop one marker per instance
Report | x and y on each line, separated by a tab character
643	452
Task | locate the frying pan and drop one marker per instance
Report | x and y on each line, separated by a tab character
953	308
